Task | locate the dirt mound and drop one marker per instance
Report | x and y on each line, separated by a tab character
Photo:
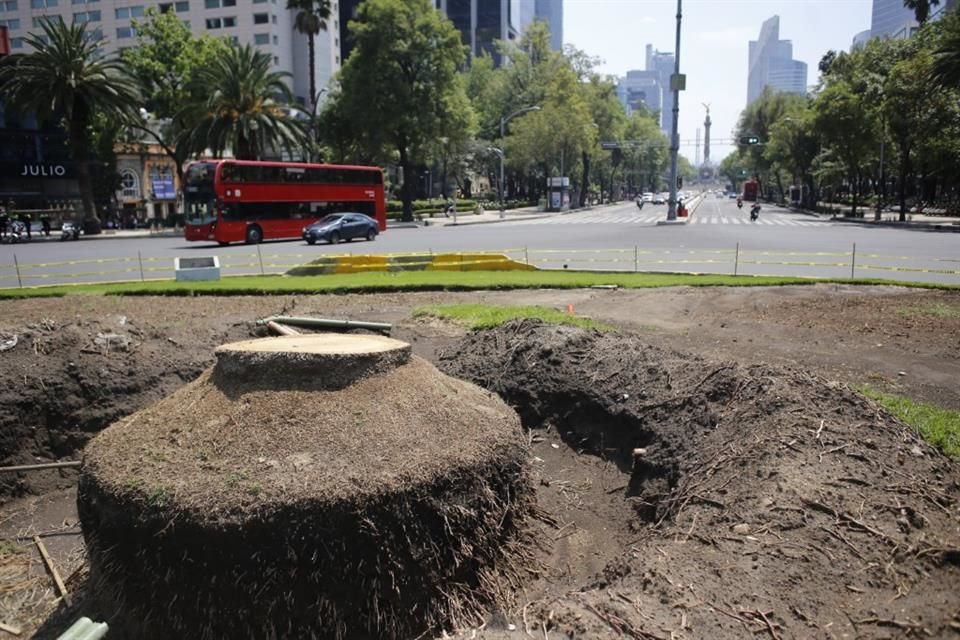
768	500
381	501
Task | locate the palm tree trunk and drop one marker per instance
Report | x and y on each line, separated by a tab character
79	144
313	72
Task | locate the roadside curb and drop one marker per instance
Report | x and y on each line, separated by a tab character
945	227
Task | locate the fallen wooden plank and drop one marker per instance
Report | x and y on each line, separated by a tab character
10	629
43	465
53	570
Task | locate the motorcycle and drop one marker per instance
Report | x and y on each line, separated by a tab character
754	212
69	231
16	233
739	203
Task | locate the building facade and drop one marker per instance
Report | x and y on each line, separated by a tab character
551	12
771	64
651	88
266	24
889	18
481	23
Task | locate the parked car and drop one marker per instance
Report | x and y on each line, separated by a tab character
341	226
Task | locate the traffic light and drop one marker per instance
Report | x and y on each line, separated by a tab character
679	182
749	140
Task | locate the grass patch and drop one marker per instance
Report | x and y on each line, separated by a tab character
939	310
482	316
377	282
940	427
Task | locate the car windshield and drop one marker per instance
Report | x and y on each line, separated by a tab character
330	219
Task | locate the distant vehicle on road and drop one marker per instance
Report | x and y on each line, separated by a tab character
647	197
750	189
341	226
244	201
660	198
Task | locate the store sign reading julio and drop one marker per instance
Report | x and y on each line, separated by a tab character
43	171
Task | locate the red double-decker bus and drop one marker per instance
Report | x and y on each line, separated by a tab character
243	201
750	188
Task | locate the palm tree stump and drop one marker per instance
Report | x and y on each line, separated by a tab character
308	486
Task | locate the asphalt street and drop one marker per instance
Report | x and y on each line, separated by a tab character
719	238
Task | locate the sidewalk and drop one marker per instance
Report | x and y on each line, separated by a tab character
892	219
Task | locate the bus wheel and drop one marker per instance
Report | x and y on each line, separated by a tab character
371	235
223	244
254	234
334	238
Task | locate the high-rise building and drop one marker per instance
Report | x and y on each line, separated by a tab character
551	12
640	90
663	64
483	22
266	24
891	19
480	22
860	40
771	64
650	87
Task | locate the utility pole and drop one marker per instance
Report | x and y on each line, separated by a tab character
676	80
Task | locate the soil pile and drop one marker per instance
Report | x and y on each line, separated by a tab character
765	499
65	380
308	486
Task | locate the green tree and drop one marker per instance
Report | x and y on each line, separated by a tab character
849	130
733	169
757	120
646	153
242	106
794	145
311	19
165	63
400	85
66	76
946	56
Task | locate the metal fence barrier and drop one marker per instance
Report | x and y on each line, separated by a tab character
722	261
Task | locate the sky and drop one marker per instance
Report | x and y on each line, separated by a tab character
714	39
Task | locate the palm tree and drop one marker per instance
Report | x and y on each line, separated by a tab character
243	106
65	76
310	20
921	8
946	57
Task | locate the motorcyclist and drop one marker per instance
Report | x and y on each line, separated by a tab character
755	211
739	202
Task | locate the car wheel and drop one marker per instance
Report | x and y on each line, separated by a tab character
311	241
334	238
254	235
371	235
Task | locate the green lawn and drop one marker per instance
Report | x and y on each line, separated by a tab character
424	281
482	316
940	427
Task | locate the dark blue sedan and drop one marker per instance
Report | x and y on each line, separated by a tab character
341	226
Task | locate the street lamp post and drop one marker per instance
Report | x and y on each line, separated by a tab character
503	125
674	132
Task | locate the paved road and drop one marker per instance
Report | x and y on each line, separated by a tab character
719	239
